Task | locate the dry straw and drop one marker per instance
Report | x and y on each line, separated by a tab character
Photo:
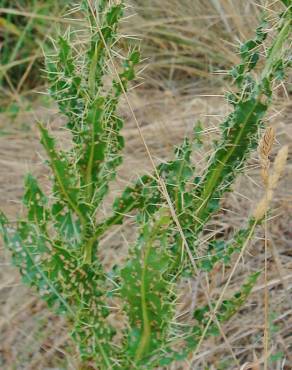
270	178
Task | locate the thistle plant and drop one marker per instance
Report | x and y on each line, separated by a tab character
56	245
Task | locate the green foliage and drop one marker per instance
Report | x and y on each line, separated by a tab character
55	246
221	251
191	336
144	282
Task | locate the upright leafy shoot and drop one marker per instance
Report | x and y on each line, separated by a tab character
55	245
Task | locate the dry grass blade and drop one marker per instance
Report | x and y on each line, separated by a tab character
39	16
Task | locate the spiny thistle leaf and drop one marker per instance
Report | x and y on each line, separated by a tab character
144	282
36	203
239	134
66	183
65	85
242	127
191	338
112	140
221	251
103	36
92	153
29	250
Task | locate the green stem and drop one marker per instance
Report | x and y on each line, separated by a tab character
53	155
101	229
145	339
88	249
106	359
48	281
146	333
90	165
214	181
91	82
276	48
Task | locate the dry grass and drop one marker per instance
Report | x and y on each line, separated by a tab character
191	37
32	337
